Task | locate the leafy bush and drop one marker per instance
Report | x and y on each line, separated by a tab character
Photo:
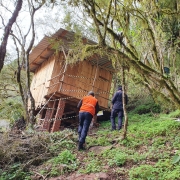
176	159
67	144
64	162
175	114
119	159
114	157
65	157
147	108
167	171
176	143
11	109
15	172
92	167
146	172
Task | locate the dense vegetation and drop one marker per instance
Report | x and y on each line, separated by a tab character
11	105
141	38
150	151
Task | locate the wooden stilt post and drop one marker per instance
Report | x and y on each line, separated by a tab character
49	115
58	116
47	122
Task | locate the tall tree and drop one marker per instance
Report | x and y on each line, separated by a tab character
24	39
135	27
7	30
23	49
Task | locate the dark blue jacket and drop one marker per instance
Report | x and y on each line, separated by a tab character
117	100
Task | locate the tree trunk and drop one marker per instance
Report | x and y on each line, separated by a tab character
7	31
124	104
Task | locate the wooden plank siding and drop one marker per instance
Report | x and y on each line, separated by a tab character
40	81
53	77
76	81
66	83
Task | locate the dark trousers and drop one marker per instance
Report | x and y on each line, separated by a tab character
114	114
85	119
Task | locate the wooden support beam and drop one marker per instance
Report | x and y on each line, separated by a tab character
58	116
41	57
46	123
71	112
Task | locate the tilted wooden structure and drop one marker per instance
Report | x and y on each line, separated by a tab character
57	87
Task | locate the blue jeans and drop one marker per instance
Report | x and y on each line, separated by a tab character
114	114
85	119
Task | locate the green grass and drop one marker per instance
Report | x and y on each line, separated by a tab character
151	151
153	140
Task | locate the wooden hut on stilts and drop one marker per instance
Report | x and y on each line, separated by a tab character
57	86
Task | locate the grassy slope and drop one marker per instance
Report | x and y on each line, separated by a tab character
148	151
151	151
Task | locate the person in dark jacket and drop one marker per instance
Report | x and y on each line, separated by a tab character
117	108
89	107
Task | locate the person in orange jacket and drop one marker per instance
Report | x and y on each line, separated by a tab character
88	107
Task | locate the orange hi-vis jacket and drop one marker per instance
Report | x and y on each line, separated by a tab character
88	104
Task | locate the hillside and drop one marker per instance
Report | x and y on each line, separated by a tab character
151	151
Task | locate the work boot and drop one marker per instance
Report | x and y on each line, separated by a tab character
80	146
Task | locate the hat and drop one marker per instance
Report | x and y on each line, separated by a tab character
119	87
91	93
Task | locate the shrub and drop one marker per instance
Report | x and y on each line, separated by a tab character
64	162
175	114
92	167
11	109
143	172
15	172
147	108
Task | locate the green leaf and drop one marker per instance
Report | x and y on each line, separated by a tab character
176	159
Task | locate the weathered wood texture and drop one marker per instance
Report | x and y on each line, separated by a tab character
57	86
77	79
40	81
73	80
